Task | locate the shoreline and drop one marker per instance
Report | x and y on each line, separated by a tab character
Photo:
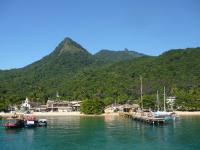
60	114
188	113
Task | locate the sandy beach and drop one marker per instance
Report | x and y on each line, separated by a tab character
57	114
187	113
38	114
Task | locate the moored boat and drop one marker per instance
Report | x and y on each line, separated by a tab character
42	122
30	122
24	121
14	123
167	116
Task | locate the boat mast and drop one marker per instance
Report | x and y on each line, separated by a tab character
164	100
157	101
141	98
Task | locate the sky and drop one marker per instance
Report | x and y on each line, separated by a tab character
30	30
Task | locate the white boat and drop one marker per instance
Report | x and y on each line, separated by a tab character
168	116
42	122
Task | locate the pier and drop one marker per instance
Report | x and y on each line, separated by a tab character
143	117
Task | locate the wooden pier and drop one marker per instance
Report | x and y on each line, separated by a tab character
143	117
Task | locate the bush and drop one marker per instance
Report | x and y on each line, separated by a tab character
92	107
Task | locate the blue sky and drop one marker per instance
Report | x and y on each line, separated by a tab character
31	29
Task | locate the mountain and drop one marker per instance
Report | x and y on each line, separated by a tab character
177	70
68	58
114	56
108	75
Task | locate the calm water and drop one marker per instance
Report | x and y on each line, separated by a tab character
103	133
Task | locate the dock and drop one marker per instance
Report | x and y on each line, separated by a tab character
142	117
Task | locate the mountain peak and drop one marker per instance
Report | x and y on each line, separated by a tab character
67	40
68	45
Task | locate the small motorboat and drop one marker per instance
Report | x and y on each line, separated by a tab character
14	123
30	122
42	122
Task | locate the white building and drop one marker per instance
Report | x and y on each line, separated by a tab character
171	101
25	105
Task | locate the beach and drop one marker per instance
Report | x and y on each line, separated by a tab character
57	114
180	113
187	113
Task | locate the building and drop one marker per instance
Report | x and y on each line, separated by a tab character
171	101
75	105
41	108
63	106
25	105
58	106
121	108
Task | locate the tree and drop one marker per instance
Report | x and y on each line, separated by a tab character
92	107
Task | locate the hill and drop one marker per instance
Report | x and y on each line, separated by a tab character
114	56
177	70
77	75
41	79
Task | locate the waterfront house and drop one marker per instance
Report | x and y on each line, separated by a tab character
171	101
129	107
41	108
75	105
121	108
112	108
58	106
25	105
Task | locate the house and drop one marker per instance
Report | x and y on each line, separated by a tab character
25	105
75	105
58	106
41	108
121	108
112	108
171	101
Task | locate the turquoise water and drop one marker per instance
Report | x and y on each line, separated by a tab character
104	133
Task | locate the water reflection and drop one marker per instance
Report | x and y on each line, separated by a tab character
12	131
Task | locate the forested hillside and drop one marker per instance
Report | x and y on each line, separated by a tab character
77	75
177	70
115	56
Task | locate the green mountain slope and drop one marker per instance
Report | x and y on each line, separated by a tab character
47	74
114	56
173	69
110	76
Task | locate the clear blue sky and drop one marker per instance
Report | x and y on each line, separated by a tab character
31	29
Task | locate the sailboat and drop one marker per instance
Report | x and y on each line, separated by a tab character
168	116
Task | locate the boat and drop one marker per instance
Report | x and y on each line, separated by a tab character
42	122
14	123
167	116
30	122
24	121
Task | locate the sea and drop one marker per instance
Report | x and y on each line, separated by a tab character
104	133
